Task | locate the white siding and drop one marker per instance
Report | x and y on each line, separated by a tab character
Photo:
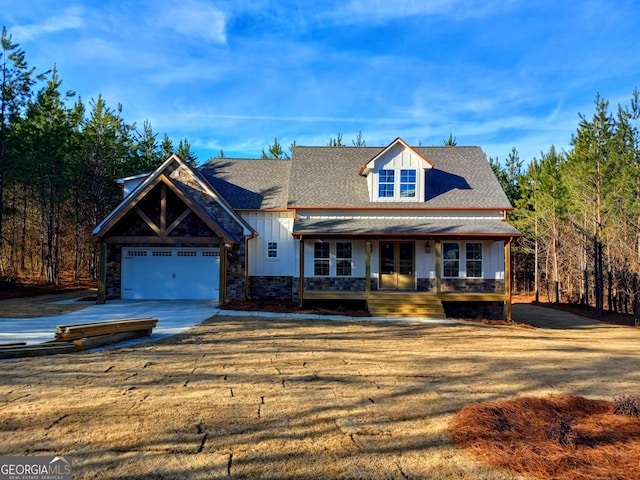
358	259
272	227
425	262
398	158
494	264
400	214
492	258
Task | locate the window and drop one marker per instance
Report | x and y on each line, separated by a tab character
450	259
407	183
343	259
321	259
272	250
474	260
386	183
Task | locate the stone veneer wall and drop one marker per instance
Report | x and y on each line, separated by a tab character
236	279
213	208
488	310
471	285
273	287
426	284
335	284
113	285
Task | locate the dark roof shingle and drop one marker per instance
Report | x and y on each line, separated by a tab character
407	226
249	184
328	177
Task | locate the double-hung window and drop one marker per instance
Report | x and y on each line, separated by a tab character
272	249
321	255
474	260
407	183
450	259
343	259
386	183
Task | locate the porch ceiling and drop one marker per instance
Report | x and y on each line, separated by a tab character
379	226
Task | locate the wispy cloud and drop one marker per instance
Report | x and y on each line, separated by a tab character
197	19
233	74
71	18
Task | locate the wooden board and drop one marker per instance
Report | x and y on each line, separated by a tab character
83	330
37	350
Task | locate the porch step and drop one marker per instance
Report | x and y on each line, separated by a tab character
405	305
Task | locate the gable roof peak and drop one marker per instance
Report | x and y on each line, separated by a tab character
366	168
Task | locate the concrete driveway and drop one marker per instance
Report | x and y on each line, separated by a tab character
173	317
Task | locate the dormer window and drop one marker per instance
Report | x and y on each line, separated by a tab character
386	183
397	174
407	183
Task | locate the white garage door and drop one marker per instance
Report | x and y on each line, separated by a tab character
170	273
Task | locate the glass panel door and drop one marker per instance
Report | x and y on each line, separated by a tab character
406	274
387	265
397	266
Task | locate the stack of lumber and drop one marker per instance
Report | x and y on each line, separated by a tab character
141	326
82	336
19	350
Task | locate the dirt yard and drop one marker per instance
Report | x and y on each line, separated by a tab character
262	398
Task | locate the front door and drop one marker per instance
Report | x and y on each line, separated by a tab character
397	266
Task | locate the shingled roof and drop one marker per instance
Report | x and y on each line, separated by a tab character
328	177
405	226
250	184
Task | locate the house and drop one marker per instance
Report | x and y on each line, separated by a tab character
409	230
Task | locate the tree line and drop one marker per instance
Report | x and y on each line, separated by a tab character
59	158
579	212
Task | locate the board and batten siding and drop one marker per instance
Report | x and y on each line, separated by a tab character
272	227
398	158
357	260
403	215
425	262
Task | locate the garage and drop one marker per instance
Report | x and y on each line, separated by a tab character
170	273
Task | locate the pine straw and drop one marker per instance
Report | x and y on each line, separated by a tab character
563	438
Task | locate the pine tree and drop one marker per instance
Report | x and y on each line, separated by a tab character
359	140
275	150
48	138
16	80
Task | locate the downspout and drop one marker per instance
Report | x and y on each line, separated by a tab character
247	290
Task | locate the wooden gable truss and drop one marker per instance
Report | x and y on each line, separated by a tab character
160	228
161	207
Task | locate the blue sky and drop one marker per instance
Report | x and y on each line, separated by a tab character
235	74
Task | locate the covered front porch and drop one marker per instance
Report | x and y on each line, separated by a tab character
417	276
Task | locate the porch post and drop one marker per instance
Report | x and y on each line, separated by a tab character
367	267
301	292
102	275
507	280
438	250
